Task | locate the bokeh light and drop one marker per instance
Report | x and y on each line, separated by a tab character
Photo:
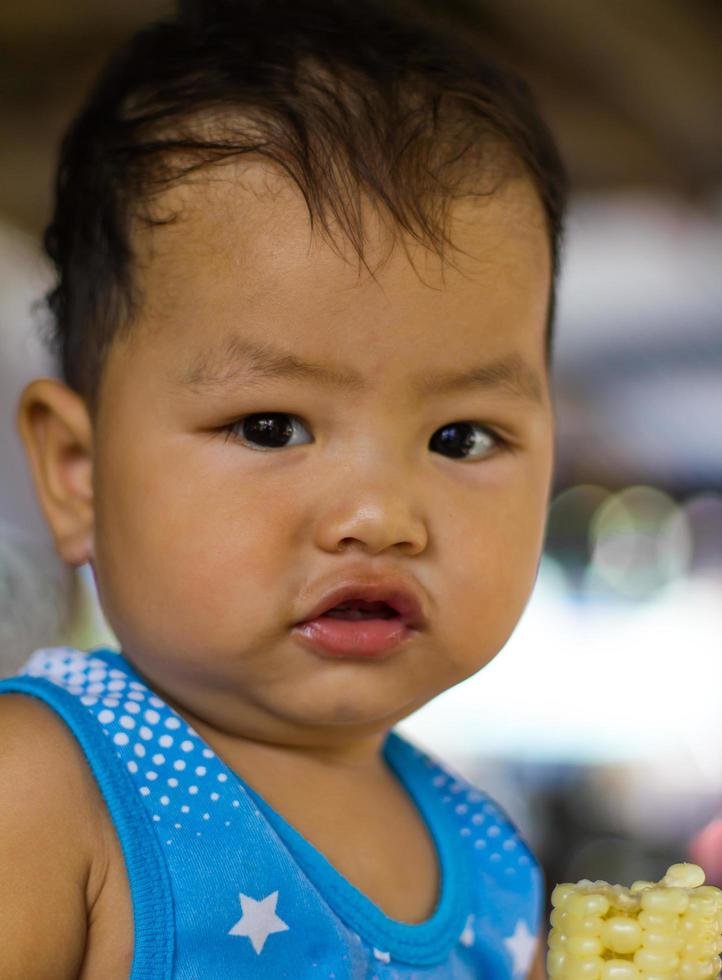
703	513
567	540
640	541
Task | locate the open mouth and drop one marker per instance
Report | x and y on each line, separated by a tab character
357	628
359	609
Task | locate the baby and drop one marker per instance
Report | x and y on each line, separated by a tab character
306	256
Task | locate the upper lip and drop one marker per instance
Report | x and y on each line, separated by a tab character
394	592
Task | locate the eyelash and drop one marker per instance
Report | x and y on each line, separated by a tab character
501	443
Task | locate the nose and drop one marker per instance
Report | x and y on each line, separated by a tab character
373	517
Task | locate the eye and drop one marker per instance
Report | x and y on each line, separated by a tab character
466	440
263	430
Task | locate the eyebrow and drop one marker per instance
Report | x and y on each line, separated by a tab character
239	361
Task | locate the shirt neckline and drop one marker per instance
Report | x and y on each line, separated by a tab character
422	943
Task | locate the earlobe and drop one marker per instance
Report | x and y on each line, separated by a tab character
56	431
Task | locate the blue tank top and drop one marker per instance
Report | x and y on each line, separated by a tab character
223	887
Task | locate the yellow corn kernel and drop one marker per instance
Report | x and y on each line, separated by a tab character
689	926
697	970
710	892
701	950
556	960
664	901
662	942
619	970
621	934
560	893
574	925
584	946
701	907
666	930
583	905
624	901
684	876
655	922
654	962
557	918
588	968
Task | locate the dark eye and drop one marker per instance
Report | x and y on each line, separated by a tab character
465	440
264	430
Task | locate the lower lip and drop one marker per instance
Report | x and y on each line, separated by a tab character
354	637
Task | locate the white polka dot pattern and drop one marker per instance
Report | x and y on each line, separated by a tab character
193	799
187	785
484	825
210	786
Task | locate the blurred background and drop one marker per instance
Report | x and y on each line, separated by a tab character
598	727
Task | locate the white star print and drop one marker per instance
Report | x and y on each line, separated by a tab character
381	955
521	946
259	920
467	937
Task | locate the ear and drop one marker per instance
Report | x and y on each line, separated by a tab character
57	434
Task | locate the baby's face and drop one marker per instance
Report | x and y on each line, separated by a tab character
209	544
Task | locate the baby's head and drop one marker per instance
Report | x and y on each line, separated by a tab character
306	259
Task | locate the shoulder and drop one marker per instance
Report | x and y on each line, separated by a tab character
46	783
45	856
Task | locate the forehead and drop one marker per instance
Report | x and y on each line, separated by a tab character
240	265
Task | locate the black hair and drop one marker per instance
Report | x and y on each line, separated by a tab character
348	98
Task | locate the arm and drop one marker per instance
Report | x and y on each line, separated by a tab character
538	971
44	862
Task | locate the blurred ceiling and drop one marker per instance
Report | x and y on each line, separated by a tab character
633	92
632	88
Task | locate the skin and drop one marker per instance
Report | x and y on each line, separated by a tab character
206	551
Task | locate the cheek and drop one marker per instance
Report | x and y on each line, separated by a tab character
496	554
188	547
